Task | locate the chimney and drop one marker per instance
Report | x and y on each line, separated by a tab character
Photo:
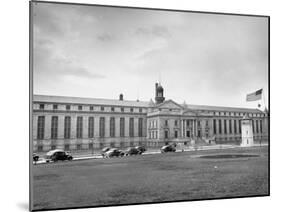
121	97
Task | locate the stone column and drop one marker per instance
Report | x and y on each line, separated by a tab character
194	128
185	127
117	127
73	126
85	127
34	126
182	128
127	126
203	128
107	126
193	132
60	127
47	130
217	127
136	127
190	128
85	135
96	127
183	121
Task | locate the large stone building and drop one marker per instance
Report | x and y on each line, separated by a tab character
73	123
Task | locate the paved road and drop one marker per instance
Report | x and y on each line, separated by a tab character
149	152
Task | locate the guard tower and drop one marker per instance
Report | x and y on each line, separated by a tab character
247	131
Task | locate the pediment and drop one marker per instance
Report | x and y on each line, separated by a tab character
169	104
189	113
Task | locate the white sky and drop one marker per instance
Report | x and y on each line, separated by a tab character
101	52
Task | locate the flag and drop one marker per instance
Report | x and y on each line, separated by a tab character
254	96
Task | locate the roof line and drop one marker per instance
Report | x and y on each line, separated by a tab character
223	107
88	98
208	107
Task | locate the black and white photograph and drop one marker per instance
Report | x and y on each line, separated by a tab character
132	105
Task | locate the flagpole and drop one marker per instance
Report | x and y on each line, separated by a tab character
263	98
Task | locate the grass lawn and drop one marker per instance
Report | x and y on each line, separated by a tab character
150	178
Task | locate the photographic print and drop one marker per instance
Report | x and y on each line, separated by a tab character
141	106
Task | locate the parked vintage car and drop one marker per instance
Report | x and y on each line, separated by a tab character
57	154
35	157
168	148
142	149
104	150
132	151
114	152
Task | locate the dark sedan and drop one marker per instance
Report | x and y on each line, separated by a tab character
168	148
132	151
113	153
56	155
142	149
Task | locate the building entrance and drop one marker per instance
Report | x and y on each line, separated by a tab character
199	133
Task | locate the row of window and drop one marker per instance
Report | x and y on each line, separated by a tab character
167	122
91	108
165	109
153	134
216	113
79	127
257	126
153	123
219	113
238	114
166	134
90	146
188	123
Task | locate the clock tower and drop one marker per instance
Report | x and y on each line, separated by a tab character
159	93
